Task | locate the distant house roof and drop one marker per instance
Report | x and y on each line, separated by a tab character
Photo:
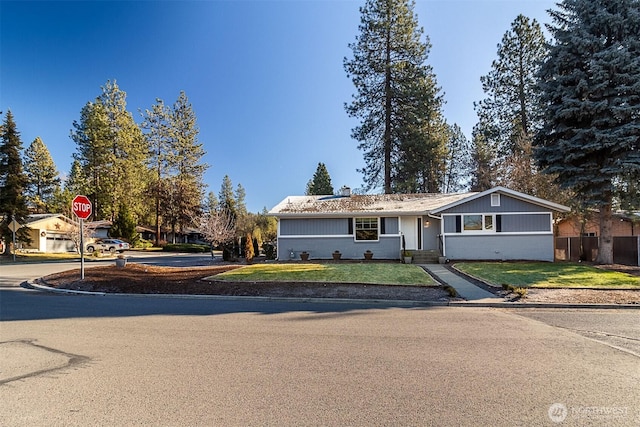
36	218
390	204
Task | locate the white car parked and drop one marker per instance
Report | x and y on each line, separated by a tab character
108	245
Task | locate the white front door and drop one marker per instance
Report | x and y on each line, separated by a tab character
409	229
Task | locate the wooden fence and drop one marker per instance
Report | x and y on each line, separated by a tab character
626	249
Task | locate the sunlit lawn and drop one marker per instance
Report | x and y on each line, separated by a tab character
369	273
548	275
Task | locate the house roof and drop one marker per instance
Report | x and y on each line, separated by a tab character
515	194
391	204
377	204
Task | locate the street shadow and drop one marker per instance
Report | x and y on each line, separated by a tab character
18	304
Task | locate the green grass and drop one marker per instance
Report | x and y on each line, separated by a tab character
369	273
548	275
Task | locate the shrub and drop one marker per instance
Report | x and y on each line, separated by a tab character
519	291
248	248
142	244
269	250
185	247
451	290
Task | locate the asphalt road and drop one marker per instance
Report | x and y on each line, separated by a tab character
121	361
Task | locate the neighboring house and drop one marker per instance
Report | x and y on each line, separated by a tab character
578	237
50	233
100	229
624	224
497	224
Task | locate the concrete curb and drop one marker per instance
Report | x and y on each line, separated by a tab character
409	303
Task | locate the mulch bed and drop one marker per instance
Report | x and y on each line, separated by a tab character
145	279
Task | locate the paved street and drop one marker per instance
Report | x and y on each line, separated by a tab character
617	328
89	360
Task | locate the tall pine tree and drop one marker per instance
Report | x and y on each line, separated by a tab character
43	180
511	113
113	154
175	162
397	99
158	131
590	86
13	182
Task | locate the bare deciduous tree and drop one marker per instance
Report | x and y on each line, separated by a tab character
217	227
73	233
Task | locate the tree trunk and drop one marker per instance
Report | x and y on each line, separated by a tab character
605	244
387	116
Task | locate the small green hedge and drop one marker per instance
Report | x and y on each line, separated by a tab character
185	247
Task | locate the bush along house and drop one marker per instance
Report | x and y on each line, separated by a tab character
497	224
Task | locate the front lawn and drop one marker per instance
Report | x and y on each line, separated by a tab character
368	273
548	275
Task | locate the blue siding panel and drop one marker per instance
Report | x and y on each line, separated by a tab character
507	204
500	247
388	247
526	222
314	226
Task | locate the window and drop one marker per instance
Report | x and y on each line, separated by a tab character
366	228
477	223
472	222
495	200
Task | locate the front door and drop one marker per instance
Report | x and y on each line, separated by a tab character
410	227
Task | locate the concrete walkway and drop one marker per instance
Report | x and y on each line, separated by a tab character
465	288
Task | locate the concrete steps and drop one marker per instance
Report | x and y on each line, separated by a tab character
425	257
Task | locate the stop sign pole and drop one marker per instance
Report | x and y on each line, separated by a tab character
82	208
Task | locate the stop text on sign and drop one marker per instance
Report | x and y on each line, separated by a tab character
81	206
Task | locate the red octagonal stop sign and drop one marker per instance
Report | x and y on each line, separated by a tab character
81	207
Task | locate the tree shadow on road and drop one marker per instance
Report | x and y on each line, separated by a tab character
19	304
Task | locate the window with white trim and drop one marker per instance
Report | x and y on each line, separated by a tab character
477	223
366	229
495	200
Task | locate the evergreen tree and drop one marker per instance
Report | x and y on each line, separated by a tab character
511	113
175	161
241	195
590	85
187	156
211	204
268	225
13	182
42	175
482	167
458	160
229	206
61	201
512	103
396	96
113	154
227	198
77	182
158	131
93	156
124	226
320	184
248	248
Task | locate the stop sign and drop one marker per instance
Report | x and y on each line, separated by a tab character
81	207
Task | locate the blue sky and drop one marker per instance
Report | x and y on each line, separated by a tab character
265	77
